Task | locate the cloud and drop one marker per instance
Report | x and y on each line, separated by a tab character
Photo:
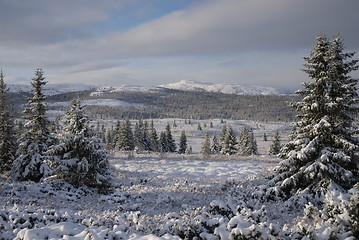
229	40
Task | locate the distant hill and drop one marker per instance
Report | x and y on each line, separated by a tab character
52	89
192	85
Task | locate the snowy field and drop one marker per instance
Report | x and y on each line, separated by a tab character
150	191
144	186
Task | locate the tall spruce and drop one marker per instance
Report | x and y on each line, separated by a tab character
323	152
215	147
7	134
80	156
31	162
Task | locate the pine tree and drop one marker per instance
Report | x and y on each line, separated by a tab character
7	134
229	144
182	143
275	147
206	146
247	142
32	161
170	141
125	141
323	151
80	157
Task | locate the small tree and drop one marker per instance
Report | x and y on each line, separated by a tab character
206	147
31	162
7	134
215	148
170	141
125	141
323	151
182	143
153	138
229	144
80	157
247	142
275	147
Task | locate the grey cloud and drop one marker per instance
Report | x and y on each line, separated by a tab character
26	23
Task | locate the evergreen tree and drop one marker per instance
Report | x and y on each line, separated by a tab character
265	137
125	140
275	147
163	144
222	137
323	151
153	138
7	134
215	148
116	135
32	161
80	157
229	144
182	143
170	141
206	146
247	142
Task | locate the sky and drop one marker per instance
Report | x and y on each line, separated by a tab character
152	42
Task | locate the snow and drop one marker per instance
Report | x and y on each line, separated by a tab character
192	85
99	102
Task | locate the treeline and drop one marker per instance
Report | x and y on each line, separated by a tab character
177	104
197	105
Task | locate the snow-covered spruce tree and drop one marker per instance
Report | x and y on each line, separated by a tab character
31	162
182	143
323	152
7	134
80	156
275	147
247	142
125	141
229	144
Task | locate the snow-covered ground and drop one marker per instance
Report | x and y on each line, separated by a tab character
146	186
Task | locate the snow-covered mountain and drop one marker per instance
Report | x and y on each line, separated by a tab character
183	85
192	85
53	89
